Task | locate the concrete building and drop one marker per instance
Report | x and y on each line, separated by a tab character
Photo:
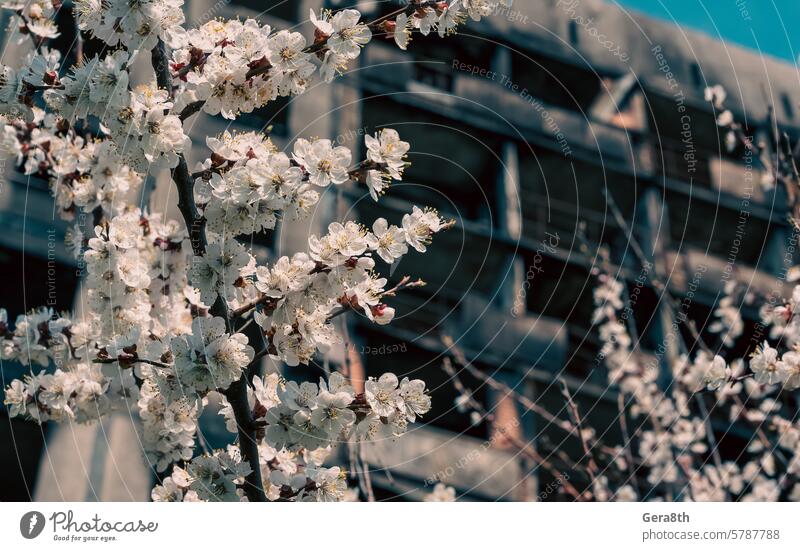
520	126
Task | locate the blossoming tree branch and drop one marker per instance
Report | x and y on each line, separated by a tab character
673	427
165	297
168	301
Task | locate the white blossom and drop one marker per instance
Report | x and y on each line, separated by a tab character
383	395
441	493
765	365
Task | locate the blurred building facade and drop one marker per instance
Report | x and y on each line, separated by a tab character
519	128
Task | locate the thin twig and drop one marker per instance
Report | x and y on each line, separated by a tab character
591	466
657	284
524	401
523	447
626	437
712	441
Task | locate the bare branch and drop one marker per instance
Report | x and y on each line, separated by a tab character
525	448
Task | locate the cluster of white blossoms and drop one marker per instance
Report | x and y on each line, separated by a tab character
771	166
705	372
134	264
386	154
224	67
616	349
213	477
235	67
79	394
36	17
344	36
300	425
166	301
728	323
783	319
301	294
232	67
246	184
38	337
210	358
440	17
84	173
311	417
769	369
676	449
138	120
135	279
18	86
221	475
169	421
78	390
134	25
295	474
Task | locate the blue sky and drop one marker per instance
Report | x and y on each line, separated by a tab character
768	25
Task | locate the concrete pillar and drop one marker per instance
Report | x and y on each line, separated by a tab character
507	428
652	231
